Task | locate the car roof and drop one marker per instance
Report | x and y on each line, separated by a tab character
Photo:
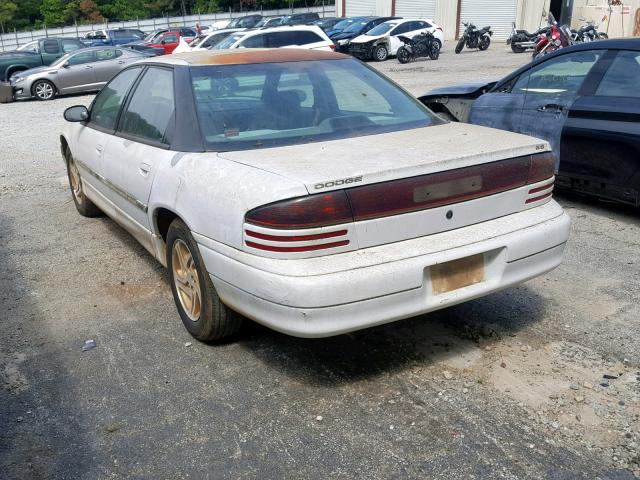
245	56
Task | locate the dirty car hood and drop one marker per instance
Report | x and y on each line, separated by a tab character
324	166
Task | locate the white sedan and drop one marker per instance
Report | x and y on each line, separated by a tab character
382	40
305	191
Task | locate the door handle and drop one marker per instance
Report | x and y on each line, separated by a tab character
99	149
88	67
551	106
145	168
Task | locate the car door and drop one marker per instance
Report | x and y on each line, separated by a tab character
141	143
550	89
403	29
103	115
169	42
77	73
600	145
108	62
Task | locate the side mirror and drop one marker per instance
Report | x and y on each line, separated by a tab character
65	65
77	113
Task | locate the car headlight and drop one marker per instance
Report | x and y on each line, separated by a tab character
343	42
16	80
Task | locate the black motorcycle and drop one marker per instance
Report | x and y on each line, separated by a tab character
474	38
521	40
422	45
588	33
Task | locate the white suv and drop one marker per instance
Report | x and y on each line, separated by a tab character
303	36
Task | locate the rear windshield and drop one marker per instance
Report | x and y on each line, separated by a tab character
272	104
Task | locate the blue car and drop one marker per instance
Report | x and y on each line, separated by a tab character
584	100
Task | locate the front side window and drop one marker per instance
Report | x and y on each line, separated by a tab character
623	77
80	58
271	104
214	40
71	46
104	112
381	29
228	42
563	75
257	41
151	108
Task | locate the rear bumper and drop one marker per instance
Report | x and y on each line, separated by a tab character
331	295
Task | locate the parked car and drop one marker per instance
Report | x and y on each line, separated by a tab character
382	41
269	22
355	28
306	191
303	36
249	21
84	70
300	18
35	54
168	41
120	36
341	25
584	100
327	23
204	42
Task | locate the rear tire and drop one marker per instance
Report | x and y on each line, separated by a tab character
434	50
380	53
43	90
202	312
85	207
484	43
460	45
517	49
403	55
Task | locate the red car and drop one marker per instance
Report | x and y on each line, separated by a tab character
168	41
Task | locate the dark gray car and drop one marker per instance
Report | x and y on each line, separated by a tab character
85	70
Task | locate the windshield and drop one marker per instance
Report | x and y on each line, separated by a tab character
29	47
228	42
342	24
272	104
354	27
381	29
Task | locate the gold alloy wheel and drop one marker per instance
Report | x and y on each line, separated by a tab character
185	277
76	184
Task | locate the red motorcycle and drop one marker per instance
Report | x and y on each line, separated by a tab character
554	39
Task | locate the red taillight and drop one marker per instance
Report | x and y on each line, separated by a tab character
332	46
320	210
542	167
438	189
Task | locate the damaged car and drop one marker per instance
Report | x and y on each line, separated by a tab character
382	41
584	100
306	191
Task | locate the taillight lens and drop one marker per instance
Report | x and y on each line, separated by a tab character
320	210
542	167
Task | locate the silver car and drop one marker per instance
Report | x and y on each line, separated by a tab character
80	71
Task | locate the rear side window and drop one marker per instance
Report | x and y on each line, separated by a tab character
151	108
623	77
104	112
283	39
107	54
50	46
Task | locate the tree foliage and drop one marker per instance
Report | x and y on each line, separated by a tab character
24	14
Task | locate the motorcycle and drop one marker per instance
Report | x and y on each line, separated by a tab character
557	38
521	40
588	33
422	45
474	38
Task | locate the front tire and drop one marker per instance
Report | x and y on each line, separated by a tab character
43	90
380	53
603	36
403	55
202	312
460	45
85	207
434	50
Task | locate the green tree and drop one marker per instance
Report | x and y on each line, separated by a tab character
7	12
124	9
53	12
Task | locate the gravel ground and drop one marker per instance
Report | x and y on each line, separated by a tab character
508	386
